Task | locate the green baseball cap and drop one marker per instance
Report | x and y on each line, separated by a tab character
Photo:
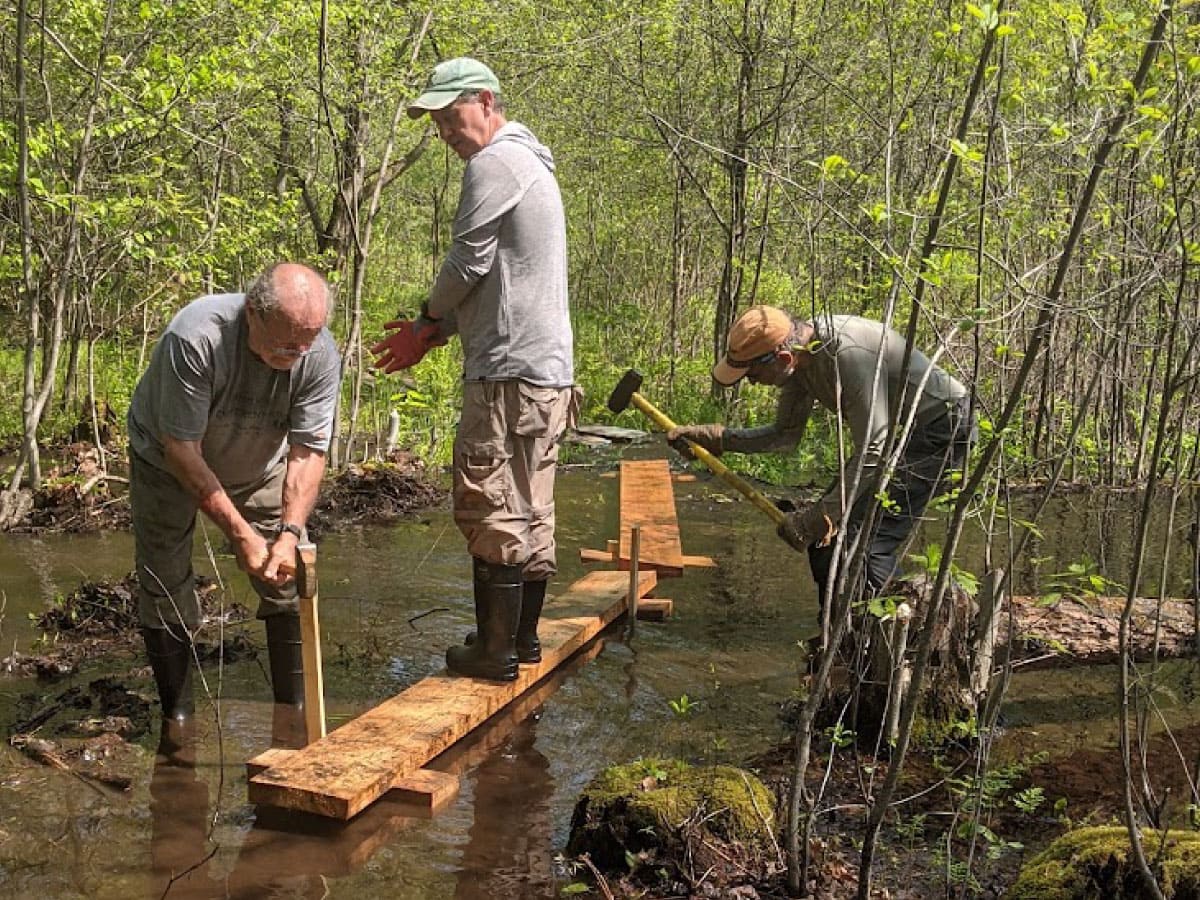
449	80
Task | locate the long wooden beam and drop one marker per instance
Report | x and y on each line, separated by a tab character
648	502
351	767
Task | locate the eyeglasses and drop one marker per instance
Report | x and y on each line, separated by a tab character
284	350
751	363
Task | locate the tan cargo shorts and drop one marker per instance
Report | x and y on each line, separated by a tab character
505	456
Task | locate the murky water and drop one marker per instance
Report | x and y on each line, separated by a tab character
392	600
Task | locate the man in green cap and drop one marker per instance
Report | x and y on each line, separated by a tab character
502	289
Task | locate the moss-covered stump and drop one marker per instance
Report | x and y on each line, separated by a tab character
1097	862
659	820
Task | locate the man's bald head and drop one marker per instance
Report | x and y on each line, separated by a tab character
286	308
292	292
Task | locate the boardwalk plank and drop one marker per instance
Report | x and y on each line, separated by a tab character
349	768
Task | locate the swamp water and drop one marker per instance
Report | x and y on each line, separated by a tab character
392	599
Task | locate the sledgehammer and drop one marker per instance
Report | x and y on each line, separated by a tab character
626	392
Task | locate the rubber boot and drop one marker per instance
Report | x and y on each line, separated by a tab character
286	658
529	648
533	595
493	655
170	653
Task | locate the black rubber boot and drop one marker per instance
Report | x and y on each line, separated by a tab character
533	595
529	648
170	653
493	655
286	658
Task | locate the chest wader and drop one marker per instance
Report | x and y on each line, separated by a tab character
285	654
493	653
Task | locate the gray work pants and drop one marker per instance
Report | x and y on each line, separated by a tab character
932	453
164	521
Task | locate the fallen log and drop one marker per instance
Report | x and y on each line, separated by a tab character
1087	629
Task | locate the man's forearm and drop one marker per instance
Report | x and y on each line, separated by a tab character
188	466
301	483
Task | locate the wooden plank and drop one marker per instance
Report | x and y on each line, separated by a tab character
648	501
357	763
655	608
426	788
310	642
588	556
483	742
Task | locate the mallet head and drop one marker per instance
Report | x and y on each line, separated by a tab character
618	400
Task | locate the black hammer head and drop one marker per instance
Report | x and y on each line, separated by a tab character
618	400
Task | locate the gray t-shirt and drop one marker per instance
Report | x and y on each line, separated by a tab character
503	284
204	384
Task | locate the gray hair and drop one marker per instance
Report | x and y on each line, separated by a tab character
473	94
263	295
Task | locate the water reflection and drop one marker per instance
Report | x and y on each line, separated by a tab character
180	849
730	649
509	841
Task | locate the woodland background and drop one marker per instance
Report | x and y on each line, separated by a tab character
921	163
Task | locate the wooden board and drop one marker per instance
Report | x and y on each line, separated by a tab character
354	765
587	555
655	608
425	788
648	501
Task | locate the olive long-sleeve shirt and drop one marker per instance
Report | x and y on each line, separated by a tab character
841	377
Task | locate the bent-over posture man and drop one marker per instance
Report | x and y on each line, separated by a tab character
503	289
232	417
832	361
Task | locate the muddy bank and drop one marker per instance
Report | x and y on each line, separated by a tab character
80	495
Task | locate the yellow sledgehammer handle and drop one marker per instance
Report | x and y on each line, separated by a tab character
717	467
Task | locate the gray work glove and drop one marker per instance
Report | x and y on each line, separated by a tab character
710	437
807	527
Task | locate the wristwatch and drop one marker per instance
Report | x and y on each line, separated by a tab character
290	528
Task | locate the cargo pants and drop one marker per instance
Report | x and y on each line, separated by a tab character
505	458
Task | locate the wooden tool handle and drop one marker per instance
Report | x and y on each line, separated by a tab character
715	465
310	641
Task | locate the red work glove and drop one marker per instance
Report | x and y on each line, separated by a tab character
407	344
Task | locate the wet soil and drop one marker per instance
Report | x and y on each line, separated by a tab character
79	495
375	494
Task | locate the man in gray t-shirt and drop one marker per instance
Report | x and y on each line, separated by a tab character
853	367
232	418
503	289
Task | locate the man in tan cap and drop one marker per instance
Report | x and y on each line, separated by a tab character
502	289
832	360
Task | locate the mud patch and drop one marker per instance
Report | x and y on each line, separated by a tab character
78	495
375	493
100	617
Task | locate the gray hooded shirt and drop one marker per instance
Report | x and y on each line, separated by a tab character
503	285
841	377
